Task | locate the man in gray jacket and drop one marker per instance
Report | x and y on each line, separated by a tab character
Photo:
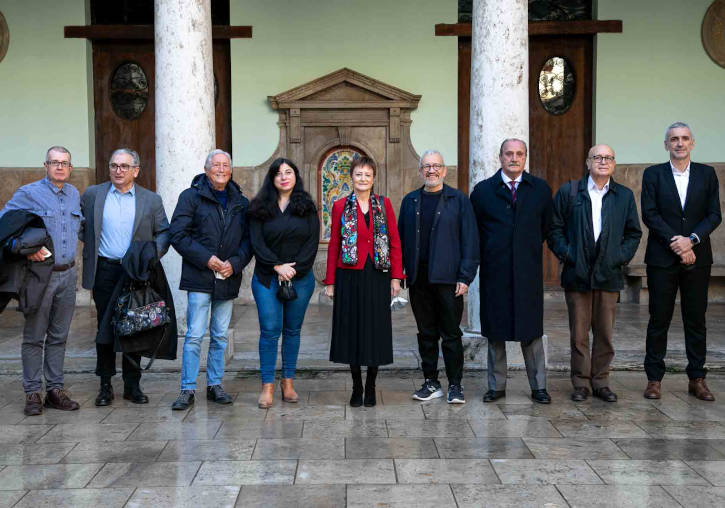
117	213
46	330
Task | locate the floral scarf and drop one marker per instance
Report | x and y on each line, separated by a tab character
381	240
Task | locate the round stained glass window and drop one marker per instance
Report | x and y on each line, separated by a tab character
557	85
335	182
129	91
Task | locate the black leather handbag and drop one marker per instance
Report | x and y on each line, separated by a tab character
139	309
286	291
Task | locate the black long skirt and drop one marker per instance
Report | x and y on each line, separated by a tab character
362	333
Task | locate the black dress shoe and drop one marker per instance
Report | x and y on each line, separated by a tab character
217	394
579	394
605	394
369	399
493	395
105	395
135	395
541	396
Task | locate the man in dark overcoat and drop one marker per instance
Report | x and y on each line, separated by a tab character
513	210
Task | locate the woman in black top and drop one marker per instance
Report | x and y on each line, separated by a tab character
284	231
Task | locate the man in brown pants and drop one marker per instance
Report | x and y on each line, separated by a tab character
595	232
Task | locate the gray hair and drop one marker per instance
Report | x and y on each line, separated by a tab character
678	125
207	164
426	154
128	151
526	148
56	148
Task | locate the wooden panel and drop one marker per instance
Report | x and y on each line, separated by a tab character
541	28
223	103
464	110
145	32
558	144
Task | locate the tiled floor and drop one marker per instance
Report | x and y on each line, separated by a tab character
320	452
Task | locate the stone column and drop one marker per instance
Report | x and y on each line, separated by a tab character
184	102
499	96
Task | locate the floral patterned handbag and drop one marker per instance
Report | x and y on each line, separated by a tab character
138	309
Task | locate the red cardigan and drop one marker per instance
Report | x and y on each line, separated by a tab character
364	242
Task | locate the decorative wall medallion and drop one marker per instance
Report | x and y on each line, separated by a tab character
557	85
713	32
129	90
4	37
335	182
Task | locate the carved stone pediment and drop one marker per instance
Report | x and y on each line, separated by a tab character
344	88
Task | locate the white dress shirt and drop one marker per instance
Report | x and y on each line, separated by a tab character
682	180
596	196
507	180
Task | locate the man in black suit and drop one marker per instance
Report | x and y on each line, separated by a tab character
681	207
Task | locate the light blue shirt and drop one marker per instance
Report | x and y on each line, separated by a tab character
119	212
60	210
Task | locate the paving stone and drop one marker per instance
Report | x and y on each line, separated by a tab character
714	471
544	471
429	428
304	412
568	448
621	496
390	448
683	430
647	472
117	451
276	429
52	417
666	449
482	448
55	476
697	497
445	471
256	472
76	498
10	497
67	432
144	414
184	497
507	496
420	496
34	453
22	433
146	474
382	412
204	450
175	431
345	428
345	471
578	429
292	496
471	410
300	448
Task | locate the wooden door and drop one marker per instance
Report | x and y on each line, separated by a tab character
123	91
559	141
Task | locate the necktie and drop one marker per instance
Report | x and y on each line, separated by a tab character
513	191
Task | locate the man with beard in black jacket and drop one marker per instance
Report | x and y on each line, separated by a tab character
209	230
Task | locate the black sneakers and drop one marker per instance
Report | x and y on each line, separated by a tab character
184	400
431	389
217	394
455	395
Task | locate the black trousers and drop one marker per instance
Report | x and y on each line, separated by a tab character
663	284
438	314
107	275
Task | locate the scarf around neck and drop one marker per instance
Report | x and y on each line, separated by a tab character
381	241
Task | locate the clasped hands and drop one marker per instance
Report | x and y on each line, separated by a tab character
285	272
682	246
223	267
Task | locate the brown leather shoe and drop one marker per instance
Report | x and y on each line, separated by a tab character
653	390
58	398
267	396
33	404
288	390
699	389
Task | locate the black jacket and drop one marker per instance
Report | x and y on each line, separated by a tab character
141	263
21	278
200	228
511	238
587	265
662	212
453	243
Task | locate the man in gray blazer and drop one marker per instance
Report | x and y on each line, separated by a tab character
117	213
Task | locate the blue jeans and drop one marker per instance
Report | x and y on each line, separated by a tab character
197	317
285	318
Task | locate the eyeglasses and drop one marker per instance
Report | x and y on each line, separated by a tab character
221	165
125	168
602	158
428	167
55	164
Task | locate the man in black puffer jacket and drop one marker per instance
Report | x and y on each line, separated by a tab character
595	232
209	230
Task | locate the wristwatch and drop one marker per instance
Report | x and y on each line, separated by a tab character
694	239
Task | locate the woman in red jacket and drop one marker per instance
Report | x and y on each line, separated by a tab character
364	269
